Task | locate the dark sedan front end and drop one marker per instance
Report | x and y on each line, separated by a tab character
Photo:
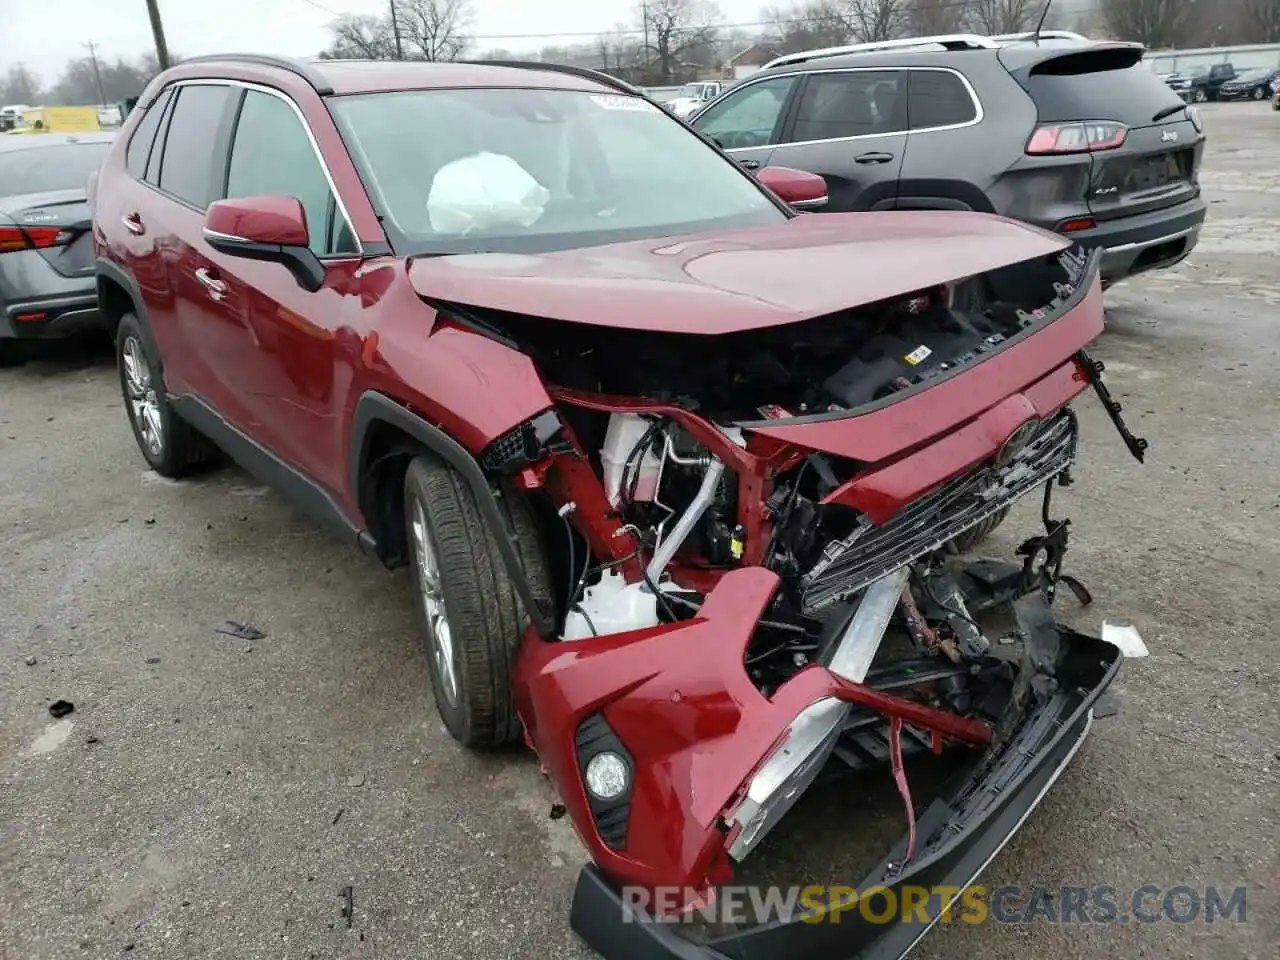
47	284
1251	86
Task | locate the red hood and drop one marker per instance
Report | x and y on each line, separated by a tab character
807	267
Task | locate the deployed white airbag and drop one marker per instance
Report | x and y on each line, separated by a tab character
483	191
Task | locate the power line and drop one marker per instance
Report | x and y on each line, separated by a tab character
640	31
322	7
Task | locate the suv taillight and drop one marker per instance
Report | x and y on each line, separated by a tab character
1084	137
33	238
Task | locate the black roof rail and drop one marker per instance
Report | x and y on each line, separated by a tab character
299	68
586	73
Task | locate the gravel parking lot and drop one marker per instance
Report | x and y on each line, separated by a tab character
209	796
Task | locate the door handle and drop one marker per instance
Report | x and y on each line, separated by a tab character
133	223
750	164
874	158
217	289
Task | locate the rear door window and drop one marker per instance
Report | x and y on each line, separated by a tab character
748	117
187	171
144	136
939	98
272	155
855	103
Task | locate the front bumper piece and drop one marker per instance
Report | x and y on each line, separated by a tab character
958	837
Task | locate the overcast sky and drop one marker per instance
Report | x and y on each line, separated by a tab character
44	34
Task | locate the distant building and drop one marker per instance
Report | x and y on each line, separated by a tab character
748	61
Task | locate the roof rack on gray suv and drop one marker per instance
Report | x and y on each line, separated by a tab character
947	41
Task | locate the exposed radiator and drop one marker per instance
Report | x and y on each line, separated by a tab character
870	552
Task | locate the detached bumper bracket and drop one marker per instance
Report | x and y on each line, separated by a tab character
1093	372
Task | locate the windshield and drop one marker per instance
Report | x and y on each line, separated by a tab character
527	171
1252	74
694	90
64	166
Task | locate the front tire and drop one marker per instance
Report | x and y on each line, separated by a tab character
1199	96
472	616
975	535
1258	93
171	446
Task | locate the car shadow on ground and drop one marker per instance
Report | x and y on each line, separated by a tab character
55	358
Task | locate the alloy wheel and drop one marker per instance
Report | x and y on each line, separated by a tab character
144	405
439	635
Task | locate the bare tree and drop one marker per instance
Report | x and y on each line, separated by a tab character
806	25
361	37
1261	20
929	18
994	17
20	85
871	21
1155	23
672	27
434	29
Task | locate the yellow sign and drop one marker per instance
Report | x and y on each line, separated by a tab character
60	120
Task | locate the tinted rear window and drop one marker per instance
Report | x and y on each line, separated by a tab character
187	171
65	166
1096	85
939	99
144	135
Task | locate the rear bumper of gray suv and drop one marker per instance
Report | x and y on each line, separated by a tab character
49	317
1149	241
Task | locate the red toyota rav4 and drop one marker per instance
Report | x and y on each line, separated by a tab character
687	478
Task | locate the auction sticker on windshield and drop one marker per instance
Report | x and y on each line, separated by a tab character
612	102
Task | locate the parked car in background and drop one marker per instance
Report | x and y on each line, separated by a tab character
692	96
11	115
1201	84
973	123
1256	84
47	286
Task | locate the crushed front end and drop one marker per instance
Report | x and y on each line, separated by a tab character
768	580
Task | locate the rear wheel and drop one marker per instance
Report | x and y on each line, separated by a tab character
170	445
472	617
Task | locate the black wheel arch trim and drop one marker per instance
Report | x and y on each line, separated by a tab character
374	407
104	268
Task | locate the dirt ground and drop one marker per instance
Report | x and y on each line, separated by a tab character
209	797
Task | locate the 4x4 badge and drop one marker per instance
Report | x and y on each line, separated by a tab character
1168	136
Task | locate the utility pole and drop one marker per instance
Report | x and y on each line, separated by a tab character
395	28
644	64
97	75
157	32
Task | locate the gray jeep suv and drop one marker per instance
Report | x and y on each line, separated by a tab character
1073	136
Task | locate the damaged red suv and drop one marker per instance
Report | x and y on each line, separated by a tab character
686	478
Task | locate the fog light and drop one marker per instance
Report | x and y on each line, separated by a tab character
607	776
